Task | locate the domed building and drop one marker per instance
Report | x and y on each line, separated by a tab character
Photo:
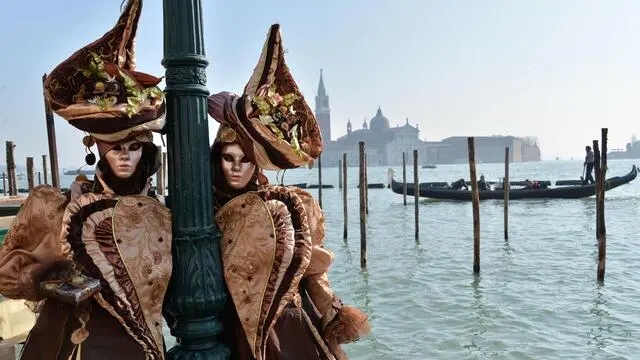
379	122
385	144
632	150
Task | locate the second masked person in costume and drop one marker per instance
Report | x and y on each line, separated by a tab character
97	259
274	261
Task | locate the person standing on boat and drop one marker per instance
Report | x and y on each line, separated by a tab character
588	162
482	184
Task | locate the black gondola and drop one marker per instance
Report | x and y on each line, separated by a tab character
374	186
561	192
87	172
315	186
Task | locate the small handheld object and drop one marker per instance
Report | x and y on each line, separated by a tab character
72	290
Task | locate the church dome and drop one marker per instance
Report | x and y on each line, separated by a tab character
379	122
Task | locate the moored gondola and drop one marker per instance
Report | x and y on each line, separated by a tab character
560	192
324	186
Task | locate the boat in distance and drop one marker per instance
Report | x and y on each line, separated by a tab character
87	172
558	192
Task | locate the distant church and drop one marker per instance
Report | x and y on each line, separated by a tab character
385	144
323	112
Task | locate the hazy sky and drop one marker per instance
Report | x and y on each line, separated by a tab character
558	70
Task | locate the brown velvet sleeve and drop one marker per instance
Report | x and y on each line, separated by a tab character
316	282
341	324
32	243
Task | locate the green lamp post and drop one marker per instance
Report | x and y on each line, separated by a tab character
196	293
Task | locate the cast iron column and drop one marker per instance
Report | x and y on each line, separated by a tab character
196	294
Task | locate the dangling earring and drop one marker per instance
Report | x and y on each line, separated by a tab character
88	142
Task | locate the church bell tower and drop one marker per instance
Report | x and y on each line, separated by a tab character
323	113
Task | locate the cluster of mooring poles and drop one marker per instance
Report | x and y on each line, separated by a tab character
10	177
363	187
600	168
416	190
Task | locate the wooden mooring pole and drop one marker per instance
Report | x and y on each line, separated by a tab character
505	185
51	136
596	169
4	184
30	176
344	193
416	192
340	174
39	178
363	207
602	236
320	181
160	174
11	169
404	178
165	166
476	205
44	169
366	185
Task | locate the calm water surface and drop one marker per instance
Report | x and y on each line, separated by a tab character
536	296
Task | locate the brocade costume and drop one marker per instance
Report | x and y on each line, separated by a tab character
274	262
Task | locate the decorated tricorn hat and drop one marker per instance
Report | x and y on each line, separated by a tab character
97	89
272	120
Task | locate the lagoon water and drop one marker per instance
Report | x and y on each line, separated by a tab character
536	296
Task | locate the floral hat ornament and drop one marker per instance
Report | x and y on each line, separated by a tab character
97	89
276	112
273	122
226	135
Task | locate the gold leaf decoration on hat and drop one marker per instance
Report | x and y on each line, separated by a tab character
277	112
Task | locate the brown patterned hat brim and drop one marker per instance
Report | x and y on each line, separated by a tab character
97	121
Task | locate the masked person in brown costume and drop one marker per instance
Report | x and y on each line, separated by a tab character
274	262
97	259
